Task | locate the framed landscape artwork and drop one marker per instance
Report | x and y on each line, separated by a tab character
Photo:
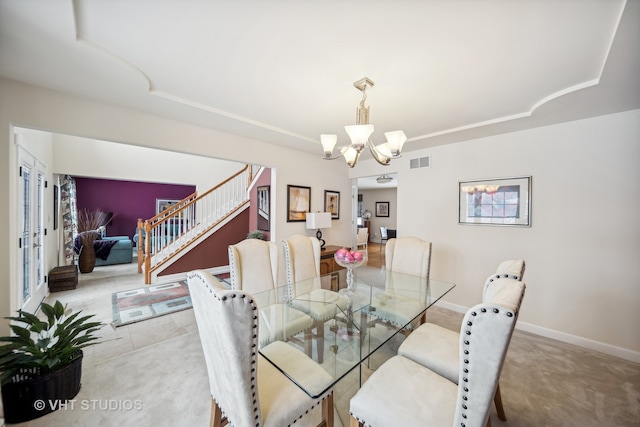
499	201
332	203
298	203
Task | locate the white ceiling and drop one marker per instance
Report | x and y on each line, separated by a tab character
283	71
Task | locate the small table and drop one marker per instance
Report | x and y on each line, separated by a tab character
352	335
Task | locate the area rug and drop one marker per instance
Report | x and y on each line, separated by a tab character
149	302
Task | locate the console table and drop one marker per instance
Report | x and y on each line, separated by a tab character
327	262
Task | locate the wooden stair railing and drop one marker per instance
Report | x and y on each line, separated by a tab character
175	228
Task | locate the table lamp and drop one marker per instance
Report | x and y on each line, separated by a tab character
319	220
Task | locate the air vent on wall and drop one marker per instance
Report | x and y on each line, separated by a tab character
422	162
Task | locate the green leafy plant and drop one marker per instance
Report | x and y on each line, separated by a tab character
256	234
40	346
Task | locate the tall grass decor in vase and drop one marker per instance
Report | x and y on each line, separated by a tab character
88	223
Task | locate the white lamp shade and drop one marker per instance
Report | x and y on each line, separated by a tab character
350	155
359	135
396	140
384	149
317	220
328	142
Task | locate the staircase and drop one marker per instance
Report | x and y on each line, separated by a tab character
174	231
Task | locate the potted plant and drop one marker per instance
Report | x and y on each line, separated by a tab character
41	365
256	234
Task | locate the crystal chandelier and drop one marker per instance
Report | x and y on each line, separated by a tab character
360	133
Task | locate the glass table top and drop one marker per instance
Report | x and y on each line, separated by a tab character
349	326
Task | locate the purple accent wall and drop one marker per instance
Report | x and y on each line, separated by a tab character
128	200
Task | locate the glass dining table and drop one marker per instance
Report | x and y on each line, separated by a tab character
354	324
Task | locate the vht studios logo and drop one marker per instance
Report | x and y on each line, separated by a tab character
88	405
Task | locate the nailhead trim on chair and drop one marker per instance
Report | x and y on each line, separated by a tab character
254	345
467	343
310	409
254	355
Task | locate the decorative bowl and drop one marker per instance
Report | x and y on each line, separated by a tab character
350	259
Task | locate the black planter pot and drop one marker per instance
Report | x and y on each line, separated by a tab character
25	400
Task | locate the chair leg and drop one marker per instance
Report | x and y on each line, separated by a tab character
320	340
308	342
327	411
216	416
355	423
497	399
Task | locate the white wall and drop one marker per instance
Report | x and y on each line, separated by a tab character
582	250
110	160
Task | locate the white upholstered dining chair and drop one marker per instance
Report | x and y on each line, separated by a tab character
246	389
302	265
405	393
253	265
410	257
437	348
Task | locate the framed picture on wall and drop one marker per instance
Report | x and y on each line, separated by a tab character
382	209
499	201
162	204
298	203
332	203
264	202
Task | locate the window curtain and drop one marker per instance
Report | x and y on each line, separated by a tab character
69	208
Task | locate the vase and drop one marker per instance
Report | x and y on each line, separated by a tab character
349	260
87	259
27	399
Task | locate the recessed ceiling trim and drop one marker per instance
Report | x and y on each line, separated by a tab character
168	96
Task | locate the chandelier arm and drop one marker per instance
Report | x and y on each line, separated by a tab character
380	158
341	154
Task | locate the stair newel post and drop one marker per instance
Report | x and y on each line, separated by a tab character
139	244
147	252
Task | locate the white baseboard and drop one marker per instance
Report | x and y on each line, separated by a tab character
612	350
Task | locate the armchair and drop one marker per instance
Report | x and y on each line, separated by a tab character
247	390
403	392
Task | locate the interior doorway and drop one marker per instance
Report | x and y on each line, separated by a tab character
376	204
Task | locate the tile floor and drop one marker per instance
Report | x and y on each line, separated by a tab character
152	373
